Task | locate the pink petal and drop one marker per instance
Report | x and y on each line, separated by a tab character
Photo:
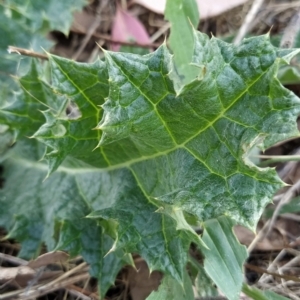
127	28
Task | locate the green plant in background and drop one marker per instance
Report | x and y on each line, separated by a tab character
183	16
133	159
26	24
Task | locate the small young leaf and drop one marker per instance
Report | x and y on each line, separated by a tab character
224	257
170	289
204	285
256	294
182	16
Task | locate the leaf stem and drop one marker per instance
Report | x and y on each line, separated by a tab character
26	52
264	271
276	158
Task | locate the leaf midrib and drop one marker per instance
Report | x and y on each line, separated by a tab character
128	163
182	145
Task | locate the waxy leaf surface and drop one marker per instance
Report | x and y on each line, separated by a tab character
131	151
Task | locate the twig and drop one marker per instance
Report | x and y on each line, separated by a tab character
124	4
280	7
264	271
289	167
109	39
271	267
269	224
91	30
285	199
295	243
159	32
40	290
78	289
13	259
78	294
291	31
291	263
248	20
261	234
279	257
26	52
69	273
290	216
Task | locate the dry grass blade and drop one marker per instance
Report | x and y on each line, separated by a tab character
286	197
30	274
43	289
78	294
69	273
13	259
264	271
160	32
291	31
249	18
91	30
48	258
26	52
284	200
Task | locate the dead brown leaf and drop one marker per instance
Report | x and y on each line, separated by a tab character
34	270
83	21
8	274
141	282
48	258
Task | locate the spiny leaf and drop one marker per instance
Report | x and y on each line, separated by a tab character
60	204
147	127
25	24
69	127
163	154
56	14
53	211
21	111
